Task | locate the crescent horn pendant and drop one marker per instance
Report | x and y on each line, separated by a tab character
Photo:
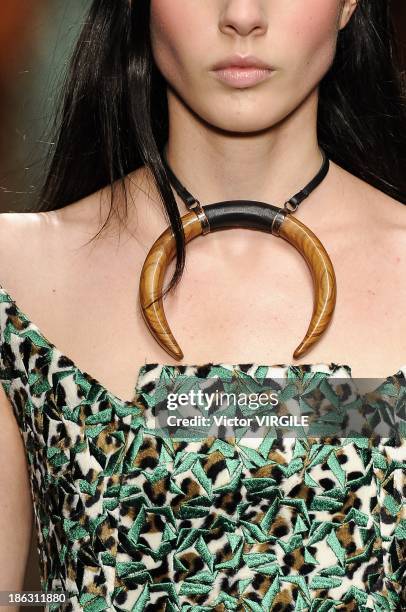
238	214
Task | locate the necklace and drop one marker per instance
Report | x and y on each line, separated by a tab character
248	214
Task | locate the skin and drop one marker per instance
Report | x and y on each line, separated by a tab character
265	165
188	38
239	136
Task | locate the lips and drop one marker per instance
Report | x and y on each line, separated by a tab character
242	71
242	61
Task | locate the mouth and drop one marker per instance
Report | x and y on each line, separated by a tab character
242	71
242	77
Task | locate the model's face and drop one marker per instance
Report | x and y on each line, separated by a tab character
295	38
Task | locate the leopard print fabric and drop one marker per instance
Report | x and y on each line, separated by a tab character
127	522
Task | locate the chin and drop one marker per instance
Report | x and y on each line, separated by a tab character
251	115
244	122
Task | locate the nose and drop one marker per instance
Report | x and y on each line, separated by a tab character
243	18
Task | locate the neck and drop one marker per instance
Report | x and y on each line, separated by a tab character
268	166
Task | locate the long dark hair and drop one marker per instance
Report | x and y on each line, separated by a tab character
113	115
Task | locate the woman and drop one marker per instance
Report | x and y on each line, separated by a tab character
124	521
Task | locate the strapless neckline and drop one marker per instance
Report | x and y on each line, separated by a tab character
153	370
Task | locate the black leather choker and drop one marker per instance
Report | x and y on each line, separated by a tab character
290	206
248	214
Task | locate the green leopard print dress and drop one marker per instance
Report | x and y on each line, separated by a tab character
127	521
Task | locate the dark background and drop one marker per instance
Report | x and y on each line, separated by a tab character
36	37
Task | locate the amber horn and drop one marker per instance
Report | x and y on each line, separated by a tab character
227	215
324	279
151	283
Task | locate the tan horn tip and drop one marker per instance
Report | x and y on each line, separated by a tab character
175	352
300	350
157	323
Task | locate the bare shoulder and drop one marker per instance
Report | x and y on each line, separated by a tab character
376	214
32	242
39	246
20	234
370	201
389	212
46	235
